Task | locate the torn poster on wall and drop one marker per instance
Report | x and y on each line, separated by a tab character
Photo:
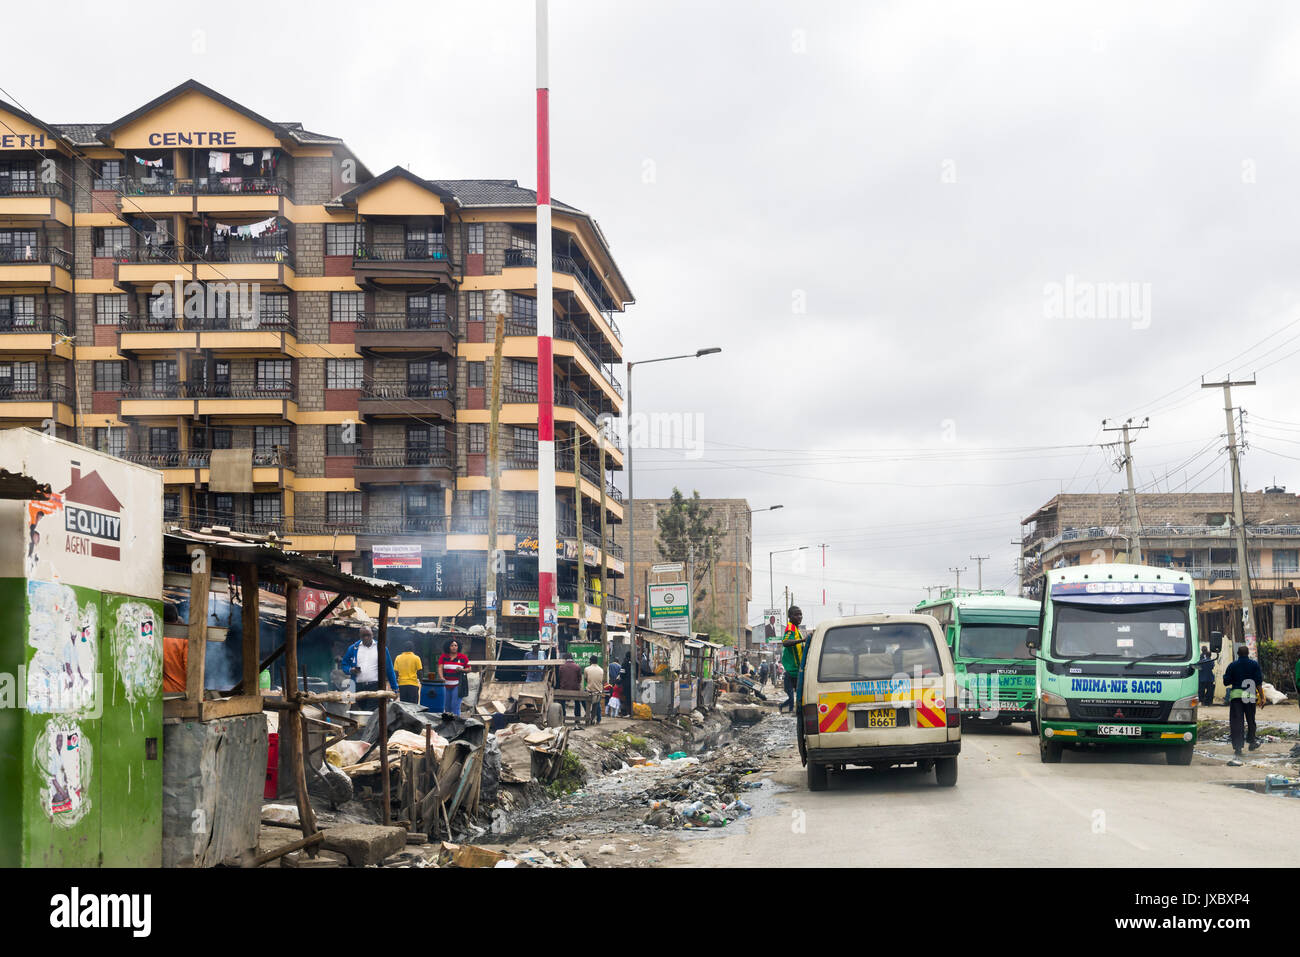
63	757
62	677
137	650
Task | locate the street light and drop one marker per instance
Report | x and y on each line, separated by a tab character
743	612
771	588
631	502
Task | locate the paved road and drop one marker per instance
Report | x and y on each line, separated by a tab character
1009	809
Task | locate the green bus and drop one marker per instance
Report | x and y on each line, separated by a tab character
986	632
1116	653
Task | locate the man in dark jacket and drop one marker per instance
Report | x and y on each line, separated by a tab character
1243	679
569	679
1206	665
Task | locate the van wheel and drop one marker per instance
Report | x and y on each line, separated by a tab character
1049	752
945	772
817	776
1179	755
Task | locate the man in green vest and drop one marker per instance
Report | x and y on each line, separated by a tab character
792	647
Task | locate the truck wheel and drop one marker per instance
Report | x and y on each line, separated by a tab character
1180	755
945	772
1049	752
817	777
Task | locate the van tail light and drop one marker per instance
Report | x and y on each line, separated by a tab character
953	712
810	725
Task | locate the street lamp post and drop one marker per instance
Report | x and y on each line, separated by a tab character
771	587
741	611
631	502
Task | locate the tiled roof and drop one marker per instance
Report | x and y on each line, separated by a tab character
307	136
79	134
494	192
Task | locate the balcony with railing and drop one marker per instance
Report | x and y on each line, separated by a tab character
405	465
14	189
421	331
29	254
22	390
1168	533
413	398
402	263
39	332
260	397
264	458
566	331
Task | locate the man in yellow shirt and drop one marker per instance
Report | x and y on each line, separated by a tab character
408	666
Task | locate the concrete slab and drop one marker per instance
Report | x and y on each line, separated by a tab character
364	844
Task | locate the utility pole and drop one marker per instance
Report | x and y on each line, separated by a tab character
1135	521
577	511
493	600
606	651
958	572
980	559
823	548
690	587
1238	518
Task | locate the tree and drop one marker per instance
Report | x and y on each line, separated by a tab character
687	535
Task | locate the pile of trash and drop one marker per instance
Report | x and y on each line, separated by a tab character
703	796
470	855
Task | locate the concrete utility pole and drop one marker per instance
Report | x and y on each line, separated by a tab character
1135	521
577	511
958	572
493	600
980	559
601	438
1238	519
547	624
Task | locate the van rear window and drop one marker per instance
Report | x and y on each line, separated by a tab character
872	652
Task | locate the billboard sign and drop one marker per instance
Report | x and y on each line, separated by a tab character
395	556
670	608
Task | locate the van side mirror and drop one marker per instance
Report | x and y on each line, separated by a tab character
1031	639
1216	642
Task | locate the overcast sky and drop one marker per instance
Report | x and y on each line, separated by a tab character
890	216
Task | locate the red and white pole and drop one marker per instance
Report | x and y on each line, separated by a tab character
546	538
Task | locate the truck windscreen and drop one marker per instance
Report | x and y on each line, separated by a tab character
993	641
1121	631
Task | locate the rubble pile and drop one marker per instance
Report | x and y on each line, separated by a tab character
703	795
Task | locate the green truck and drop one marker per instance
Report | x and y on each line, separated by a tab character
986	632
1116	651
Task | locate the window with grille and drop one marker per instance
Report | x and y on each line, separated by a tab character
17	378
172	506
267	438
525	508
347	306
334	435
110	174
110	376
477	437
273	306
343	373
274	375
418	500
110	239
266	508
524	241
111	441
343	508
110	308
525	440
1286	560
17	312
523	308
477	375
161	311
164	375
474	238
478	502
162	440
523	376
474	304
341	238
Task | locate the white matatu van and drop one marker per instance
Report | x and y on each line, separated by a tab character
879	690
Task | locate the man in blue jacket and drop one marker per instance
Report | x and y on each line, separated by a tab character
362	662
1243	679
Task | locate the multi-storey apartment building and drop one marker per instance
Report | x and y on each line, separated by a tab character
1192	532
305	348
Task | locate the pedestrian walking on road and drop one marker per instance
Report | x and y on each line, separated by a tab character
1206	665
792	648
361	661
1242	678
569	678
595	676
762	675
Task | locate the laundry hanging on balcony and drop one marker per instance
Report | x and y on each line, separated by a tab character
250	231
218	162
157	164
